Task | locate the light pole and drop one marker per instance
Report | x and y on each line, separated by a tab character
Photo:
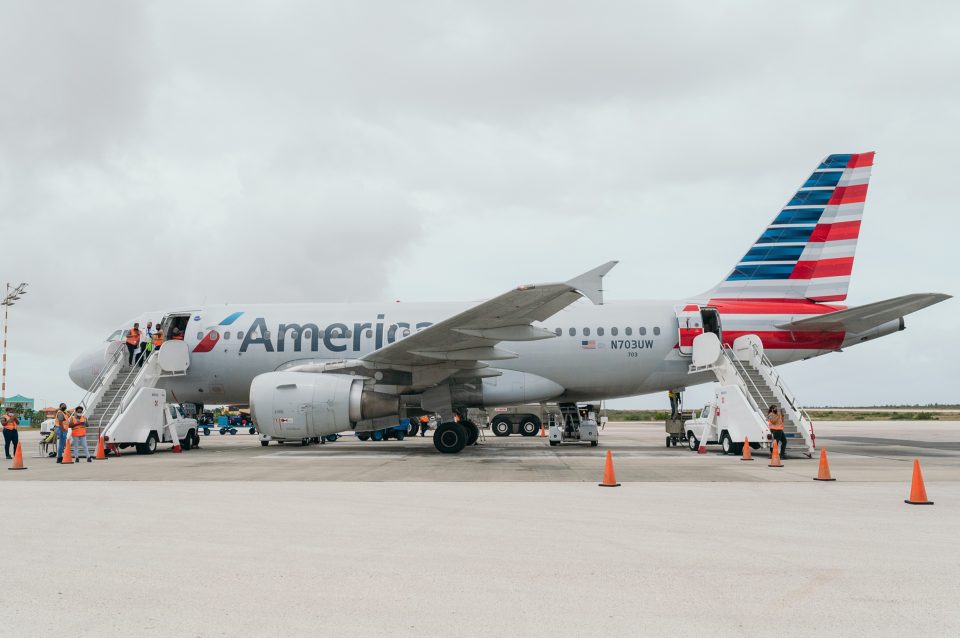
11	298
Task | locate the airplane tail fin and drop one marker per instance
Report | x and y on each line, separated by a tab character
807	251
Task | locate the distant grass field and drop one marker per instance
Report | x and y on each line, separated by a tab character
818	414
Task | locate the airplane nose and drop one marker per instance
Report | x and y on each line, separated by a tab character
85	368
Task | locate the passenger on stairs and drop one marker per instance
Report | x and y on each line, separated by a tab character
775	421
78	425
10	435
157	338
146	337
61	430
133	342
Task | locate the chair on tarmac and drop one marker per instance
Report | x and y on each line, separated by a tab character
48	445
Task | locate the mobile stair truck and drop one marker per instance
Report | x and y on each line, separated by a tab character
127	409
748	385
574	425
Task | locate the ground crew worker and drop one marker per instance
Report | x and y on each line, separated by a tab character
133	342
157	338
146	336
61	430
10	435
674	404
424	425
775	421
78	427
176	334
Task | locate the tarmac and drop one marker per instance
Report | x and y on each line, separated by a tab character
510	537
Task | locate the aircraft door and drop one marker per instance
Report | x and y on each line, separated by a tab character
711	321
690	324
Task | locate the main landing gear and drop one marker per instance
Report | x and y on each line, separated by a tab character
452	437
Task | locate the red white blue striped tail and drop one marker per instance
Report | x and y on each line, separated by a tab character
807	252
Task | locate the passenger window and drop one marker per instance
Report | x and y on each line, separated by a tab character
656	330
306	334
226	335
558	331
573	332
348	334
239	334
628	330
293	335
199	337
614	331
369	334
599	332
586	332
643	332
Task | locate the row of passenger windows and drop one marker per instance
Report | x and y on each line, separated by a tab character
628	331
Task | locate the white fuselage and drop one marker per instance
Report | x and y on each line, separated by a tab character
618	349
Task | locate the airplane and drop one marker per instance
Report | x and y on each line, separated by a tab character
310	370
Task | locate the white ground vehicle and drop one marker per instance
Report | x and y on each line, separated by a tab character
575	424
148	421
728	420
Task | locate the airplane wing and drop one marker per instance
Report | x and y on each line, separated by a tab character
465	340
863	318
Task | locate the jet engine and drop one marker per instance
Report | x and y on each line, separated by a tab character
296	405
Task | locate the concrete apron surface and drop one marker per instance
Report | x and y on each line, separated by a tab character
477	558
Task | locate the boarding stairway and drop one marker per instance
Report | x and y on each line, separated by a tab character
118	383
746	365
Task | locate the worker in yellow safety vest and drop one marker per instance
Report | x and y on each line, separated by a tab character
10	434
133	342
775	422
78	428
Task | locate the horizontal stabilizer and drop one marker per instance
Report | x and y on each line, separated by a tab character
862	318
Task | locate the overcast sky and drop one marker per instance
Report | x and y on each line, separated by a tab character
158	154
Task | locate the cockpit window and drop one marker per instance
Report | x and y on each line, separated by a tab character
116	335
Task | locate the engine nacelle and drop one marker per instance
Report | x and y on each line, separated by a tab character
296	405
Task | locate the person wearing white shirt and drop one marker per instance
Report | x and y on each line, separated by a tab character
146	336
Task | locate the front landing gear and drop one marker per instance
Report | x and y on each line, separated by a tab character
450	438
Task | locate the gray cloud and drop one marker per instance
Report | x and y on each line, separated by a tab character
167	154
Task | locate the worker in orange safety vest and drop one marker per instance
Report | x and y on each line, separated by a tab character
78	428
133	342
10	434
775	422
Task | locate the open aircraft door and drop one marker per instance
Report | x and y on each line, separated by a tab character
694	320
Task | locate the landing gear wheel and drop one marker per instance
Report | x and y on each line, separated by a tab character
692	442
473	432
450	438
501	427
726	444
530	426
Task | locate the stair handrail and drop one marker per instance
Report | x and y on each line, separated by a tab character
745	378
118	401
790	398
99	379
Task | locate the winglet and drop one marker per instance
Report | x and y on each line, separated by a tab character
590	283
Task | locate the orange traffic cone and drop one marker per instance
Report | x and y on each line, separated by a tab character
609	478
17	459
775	456
67	454
824	473
101	453
747	455
918	493
543	431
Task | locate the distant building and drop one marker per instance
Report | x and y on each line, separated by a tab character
19	402
49	413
